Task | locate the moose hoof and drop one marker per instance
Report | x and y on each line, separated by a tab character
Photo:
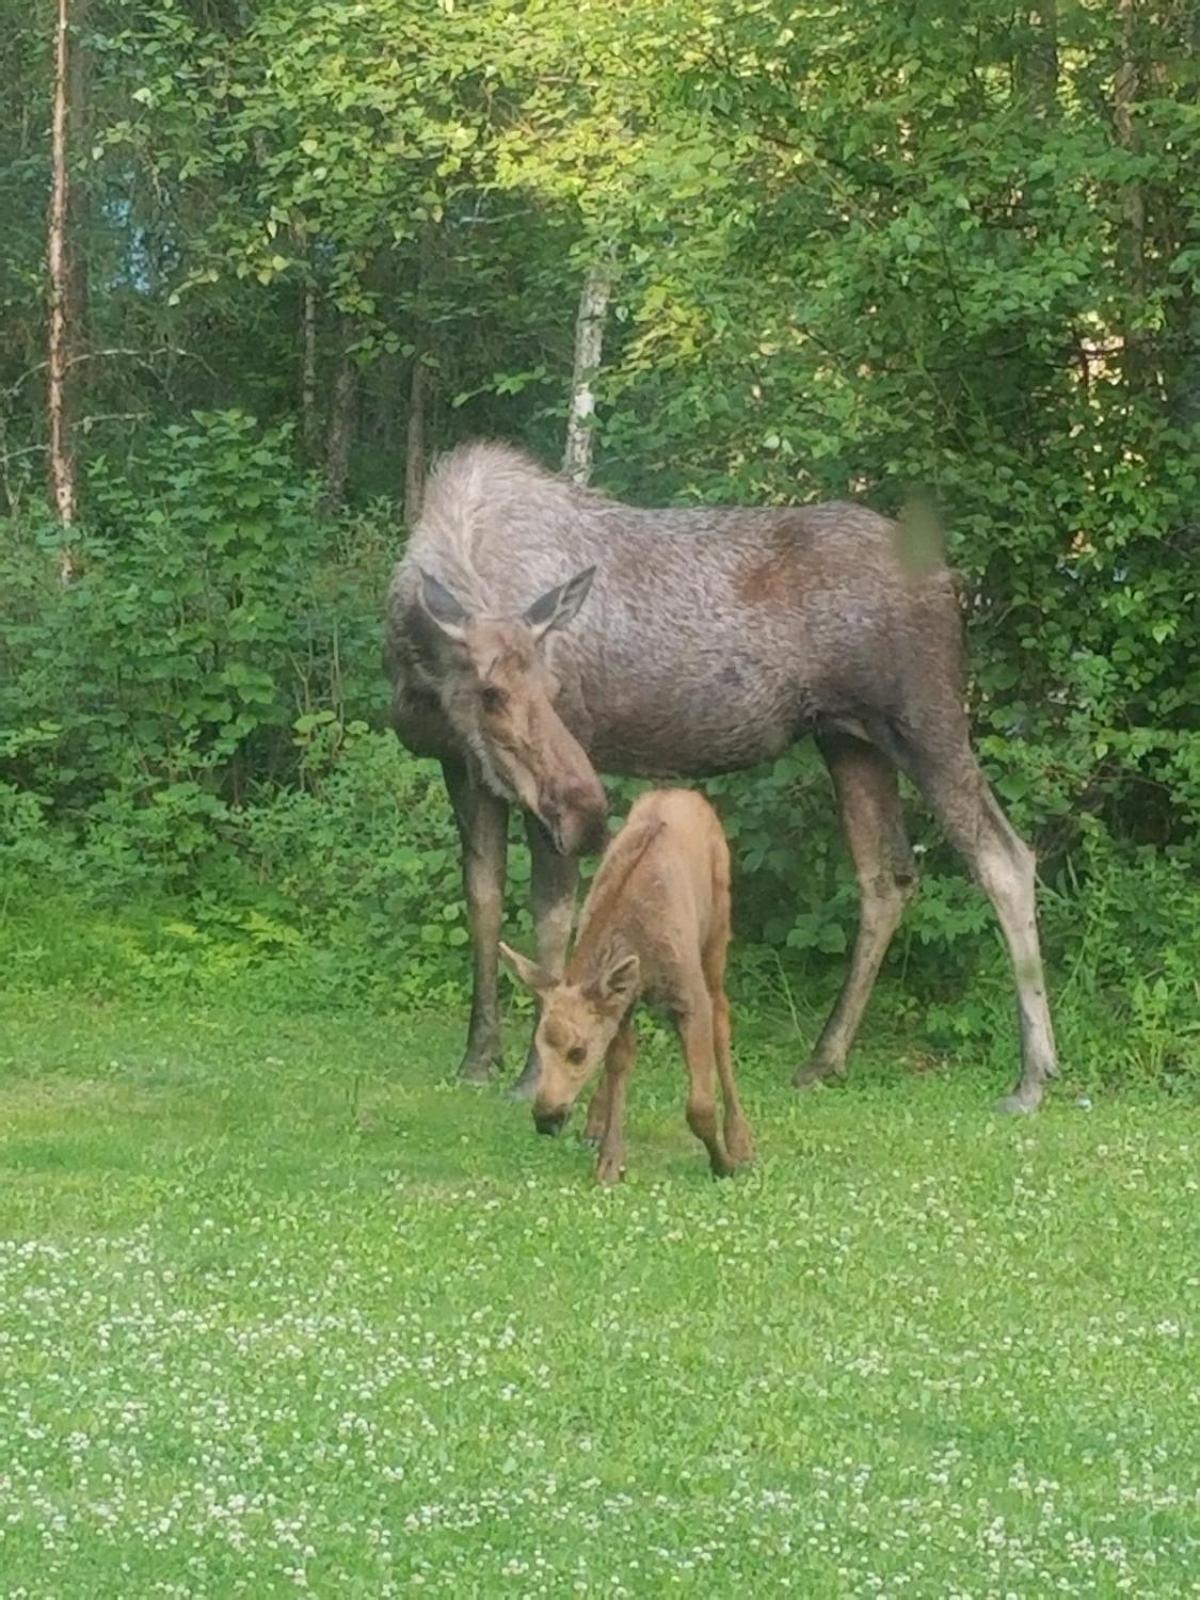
525	1087
609	1171
1021	1102
816	1071
479	1068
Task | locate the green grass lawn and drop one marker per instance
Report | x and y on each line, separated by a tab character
282	1309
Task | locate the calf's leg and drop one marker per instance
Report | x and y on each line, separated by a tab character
695	1023
868	796
482	819
738	1141
622	1053
553	880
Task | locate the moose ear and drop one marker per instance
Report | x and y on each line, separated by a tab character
619	984
558	607
443	610
526	971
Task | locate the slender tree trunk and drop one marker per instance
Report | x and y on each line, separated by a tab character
589	344
414	453
1181	363
1037	65
420	382
309	421
58	258
1125	92
339	440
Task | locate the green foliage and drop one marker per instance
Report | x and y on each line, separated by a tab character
941	259
214	609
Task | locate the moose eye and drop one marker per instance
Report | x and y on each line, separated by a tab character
576	1054
491	698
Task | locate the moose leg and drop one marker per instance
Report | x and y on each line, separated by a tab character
695	1023
553	879
482	819
597	1113
868	797
1004	866
738	1142
622	1053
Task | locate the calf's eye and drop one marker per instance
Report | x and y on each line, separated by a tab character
491	698
576	1054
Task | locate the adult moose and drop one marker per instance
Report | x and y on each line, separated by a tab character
710	639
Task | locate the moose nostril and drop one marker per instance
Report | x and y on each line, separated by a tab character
549	1122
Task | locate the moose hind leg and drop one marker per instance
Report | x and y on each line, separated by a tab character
553	881
482	819
1004	866
868	796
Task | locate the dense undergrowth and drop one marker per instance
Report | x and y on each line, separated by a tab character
198	793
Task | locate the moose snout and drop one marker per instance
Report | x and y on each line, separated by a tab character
550	1119
576	818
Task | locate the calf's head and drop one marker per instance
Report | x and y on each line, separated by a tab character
577	1024
498	690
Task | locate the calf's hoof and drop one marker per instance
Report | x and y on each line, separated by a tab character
610	1170
740	1147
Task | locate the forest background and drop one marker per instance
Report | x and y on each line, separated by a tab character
260	262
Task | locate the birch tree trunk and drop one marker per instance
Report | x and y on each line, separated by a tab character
419	383
1037	67
589	345
1125	92
414	455
63	484
308	371
340	438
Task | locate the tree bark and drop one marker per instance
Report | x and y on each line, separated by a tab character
1133	245
589	345
63	482
309	422
414	454
339	441
1037	64
420	381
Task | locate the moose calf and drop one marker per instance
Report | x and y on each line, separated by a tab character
655	926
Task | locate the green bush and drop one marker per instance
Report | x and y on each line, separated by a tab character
214	608
195	790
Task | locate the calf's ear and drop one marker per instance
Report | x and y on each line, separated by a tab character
526	971
618	984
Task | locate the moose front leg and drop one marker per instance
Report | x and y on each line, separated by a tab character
482	819
553	881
